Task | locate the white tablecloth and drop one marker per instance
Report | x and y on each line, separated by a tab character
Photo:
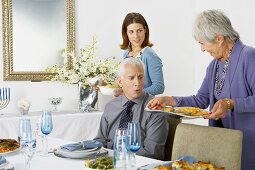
68	125
52	162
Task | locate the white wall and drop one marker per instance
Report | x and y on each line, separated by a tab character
170	25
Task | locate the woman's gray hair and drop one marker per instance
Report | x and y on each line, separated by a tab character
211	23
129	61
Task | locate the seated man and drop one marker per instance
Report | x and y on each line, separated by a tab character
154	127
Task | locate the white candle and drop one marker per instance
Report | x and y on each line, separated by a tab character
9	93
0	94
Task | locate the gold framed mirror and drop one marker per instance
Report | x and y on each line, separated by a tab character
34	32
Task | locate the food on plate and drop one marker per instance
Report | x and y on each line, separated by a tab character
180	164
8	145
167	109
203	165
206	166
163	168
112	86
188	111
183	165
103	163
191	111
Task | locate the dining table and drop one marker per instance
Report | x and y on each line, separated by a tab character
72	125
52	162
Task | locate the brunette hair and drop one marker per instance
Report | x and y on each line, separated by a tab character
132	18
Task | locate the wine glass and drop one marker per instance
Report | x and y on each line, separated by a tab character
46	128
55	101
134	140
27	141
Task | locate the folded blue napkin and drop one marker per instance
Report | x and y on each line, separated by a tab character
189	159
2	160
88	144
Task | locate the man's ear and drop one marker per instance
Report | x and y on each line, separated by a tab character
119	81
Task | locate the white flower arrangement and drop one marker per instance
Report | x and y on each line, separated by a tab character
24	104
84	67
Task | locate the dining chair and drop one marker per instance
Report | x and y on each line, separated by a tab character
172	122
220	146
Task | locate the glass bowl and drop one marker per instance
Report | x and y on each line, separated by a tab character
55	101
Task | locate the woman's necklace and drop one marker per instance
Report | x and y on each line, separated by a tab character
220	83
135	53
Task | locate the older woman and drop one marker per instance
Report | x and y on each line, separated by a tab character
229	83
136	43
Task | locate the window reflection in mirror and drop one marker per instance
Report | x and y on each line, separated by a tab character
34	33
39	31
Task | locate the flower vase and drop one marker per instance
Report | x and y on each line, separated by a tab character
24	111
87	97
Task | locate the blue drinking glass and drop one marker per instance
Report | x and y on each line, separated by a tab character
46	128
134	140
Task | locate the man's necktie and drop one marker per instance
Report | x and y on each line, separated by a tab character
126	114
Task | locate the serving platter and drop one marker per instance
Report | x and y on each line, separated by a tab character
181	112
189	159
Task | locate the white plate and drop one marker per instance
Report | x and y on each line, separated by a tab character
78	153
106	90
176	114
189	159
154	165
10	152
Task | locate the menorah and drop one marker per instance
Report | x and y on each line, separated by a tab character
5	97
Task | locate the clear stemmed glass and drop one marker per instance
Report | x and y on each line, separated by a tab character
27	141
134	141
120	154
46	128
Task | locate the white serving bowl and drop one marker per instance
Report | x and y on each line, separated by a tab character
106	90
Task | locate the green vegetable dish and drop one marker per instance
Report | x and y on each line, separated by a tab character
102	163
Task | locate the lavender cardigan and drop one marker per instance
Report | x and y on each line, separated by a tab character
239	86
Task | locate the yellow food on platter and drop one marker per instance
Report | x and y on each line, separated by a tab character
183	165
189	111
163	168
8	145
168	109
112	86
180	164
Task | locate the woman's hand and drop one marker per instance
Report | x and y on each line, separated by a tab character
219	110
159	102
117	92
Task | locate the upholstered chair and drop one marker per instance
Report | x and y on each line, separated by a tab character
173	122
220	146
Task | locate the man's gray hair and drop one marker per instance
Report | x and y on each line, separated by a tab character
211	23
129	61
